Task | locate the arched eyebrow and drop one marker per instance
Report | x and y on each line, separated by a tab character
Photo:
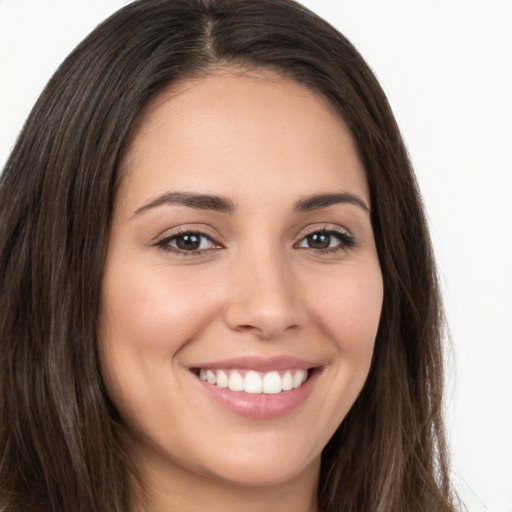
324	200
199	201
226	205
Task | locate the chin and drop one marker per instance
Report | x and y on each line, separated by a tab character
259	473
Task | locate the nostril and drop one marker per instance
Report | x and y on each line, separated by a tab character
266	330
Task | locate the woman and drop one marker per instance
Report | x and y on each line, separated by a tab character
219	289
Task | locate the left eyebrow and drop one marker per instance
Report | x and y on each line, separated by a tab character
324	200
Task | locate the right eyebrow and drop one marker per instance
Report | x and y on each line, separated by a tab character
199	201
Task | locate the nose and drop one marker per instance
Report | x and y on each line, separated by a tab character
264	299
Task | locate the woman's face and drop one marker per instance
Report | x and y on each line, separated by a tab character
241	252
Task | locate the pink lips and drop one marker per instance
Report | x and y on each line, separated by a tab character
260	364
260	405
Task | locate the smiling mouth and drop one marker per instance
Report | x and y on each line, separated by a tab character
253	382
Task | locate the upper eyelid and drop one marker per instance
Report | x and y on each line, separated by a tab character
210	233
166	241
176	235
323	227
345	237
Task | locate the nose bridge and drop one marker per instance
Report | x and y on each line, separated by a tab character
263	298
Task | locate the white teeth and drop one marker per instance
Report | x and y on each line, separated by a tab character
298	378
210	377
270	383
222	379
236	382
287	381
252	383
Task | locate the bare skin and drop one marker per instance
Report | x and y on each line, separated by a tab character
241	242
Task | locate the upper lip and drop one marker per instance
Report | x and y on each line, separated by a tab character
260	364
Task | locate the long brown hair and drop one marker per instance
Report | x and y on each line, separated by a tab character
60	437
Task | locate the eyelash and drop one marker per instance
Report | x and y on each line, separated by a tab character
346	241
164	243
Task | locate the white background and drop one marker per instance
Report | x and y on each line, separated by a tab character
447	69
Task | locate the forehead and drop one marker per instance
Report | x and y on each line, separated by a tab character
229	132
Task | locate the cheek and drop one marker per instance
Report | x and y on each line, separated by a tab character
146	319
349	308
154	310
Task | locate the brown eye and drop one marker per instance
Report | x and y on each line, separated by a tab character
188	242
327	240
319	240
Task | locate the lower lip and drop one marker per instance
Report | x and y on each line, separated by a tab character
260	405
